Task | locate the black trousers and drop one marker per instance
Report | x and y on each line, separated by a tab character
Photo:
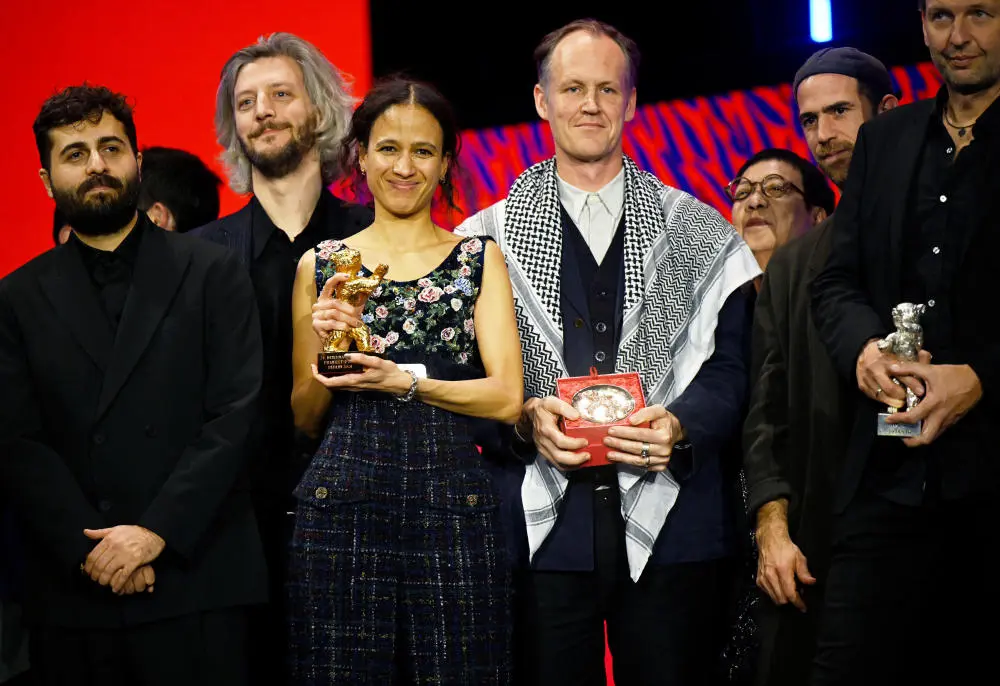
268	630
667	629
911	595
788	638
205	649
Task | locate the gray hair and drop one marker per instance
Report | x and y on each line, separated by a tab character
327	88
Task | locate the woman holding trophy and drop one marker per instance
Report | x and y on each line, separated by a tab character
399	569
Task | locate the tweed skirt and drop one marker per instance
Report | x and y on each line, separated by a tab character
398	569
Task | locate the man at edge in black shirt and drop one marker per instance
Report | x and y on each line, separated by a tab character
915	526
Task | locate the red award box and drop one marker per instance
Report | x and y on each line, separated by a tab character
603	401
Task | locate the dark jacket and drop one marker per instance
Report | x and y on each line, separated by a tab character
280	453
796	430
853	296
146	426
235	231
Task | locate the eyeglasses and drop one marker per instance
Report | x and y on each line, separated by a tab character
773	186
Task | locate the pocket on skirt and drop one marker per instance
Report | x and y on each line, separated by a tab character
337	489
470	493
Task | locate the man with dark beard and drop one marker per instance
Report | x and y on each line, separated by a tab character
130	365
910	584
281	112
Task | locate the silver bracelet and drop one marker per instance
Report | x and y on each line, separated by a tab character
408	396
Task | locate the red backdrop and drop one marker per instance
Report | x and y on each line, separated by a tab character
166	58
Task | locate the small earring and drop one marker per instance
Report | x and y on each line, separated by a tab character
362	171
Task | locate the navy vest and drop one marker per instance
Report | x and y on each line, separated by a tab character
592	300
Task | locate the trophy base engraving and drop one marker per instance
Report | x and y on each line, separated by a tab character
335	363
897	430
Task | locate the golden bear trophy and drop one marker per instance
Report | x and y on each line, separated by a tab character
355	291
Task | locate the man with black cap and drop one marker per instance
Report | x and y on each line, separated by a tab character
795	429
911	582
836	91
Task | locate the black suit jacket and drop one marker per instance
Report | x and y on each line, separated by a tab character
146	426
796	430
853	296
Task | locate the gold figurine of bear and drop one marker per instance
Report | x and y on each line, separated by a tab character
355	292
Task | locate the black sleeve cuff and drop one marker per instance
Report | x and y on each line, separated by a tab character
523	451
682	464
767	491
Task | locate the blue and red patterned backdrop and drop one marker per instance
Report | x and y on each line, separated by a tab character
696	145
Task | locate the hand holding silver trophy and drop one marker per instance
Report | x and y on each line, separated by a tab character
905	343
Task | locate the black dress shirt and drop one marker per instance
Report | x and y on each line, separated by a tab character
946	199
945	195
111	270
275	259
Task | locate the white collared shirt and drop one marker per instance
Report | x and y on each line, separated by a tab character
596	214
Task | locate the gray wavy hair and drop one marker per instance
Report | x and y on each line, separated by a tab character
328	90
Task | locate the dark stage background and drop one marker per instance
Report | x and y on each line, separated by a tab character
480	56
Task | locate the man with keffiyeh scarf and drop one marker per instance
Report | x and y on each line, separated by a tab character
612	269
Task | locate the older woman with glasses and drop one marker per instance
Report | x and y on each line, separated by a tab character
777	196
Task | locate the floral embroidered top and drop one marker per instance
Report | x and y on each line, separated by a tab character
430	316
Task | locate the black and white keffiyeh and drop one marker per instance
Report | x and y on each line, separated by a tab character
682	261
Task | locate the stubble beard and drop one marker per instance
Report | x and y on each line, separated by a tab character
287	159
980	81
836	172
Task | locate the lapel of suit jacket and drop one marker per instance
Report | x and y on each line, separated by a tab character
67	286
906	154
238	230
156	276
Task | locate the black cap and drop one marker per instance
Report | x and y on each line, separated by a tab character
849	62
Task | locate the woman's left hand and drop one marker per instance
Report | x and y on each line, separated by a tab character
378	375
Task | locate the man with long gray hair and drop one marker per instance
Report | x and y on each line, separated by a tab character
281	112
